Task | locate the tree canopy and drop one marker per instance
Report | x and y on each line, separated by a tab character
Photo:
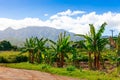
5	45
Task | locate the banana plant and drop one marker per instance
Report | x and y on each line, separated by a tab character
61	48
94	44
41	47
31	48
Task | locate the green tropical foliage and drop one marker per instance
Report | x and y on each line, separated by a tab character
31	48
94	44
61	48
35	47
6	45
40	49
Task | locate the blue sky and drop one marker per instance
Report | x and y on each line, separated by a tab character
18	9
61	14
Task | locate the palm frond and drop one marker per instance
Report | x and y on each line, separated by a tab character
101	30
51	41
92	30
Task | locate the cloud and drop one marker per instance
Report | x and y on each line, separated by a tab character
16	24
66	20
80	24
70	13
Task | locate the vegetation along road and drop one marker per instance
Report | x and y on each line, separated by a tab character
21	74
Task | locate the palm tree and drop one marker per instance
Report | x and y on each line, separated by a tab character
31	48
61	47
101	45
40	49
88	46
94	44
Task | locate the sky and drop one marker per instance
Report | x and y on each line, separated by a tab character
71	15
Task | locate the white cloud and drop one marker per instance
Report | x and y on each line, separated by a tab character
65	20
70	13
16	24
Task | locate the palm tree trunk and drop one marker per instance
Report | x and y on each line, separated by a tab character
90	61
31	56
98	61
58	61
95	60
38	57
62	60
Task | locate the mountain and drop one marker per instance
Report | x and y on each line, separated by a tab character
17	37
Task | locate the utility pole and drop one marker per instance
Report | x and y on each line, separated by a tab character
112	41
112	31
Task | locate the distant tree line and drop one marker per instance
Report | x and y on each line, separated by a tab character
6	46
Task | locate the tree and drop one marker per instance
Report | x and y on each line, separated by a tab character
40	49
5	45
35	47
88	46
94	44
61	48
30	46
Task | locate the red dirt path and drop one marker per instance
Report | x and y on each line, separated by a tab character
21	74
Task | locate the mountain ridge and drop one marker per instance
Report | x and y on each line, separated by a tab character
17	37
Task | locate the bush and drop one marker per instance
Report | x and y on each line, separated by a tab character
21	58
13	59
2	60
70	68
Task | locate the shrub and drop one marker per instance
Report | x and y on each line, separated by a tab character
2	60
70	68
13	59
21	58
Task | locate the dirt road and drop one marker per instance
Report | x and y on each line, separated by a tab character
21	74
